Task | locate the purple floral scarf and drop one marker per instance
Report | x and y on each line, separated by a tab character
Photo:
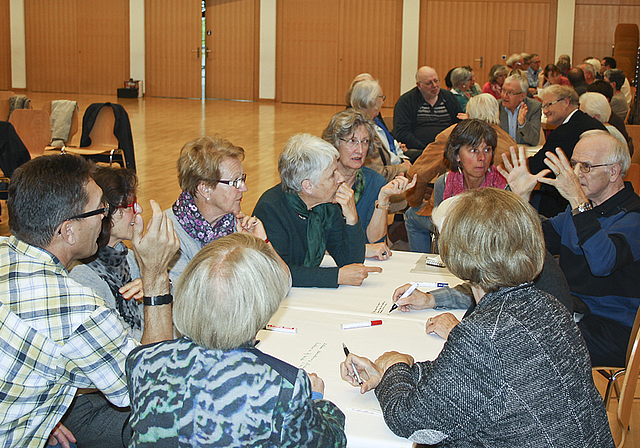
196	226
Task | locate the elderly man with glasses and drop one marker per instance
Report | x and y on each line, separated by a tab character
519	115
560	104
597	237
424	111
58	336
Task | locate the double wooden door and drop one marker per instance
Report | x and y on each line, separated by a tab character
176	53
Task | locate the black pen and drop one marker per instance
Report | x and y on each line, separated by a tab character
355	371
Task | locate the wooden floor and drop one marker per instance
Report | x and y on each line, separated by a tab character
161	126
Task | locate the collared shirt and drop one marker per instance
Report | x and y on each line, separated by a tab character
513	121
56	336
532	77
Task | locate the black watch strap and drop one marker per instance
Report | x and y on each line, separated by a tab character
164	299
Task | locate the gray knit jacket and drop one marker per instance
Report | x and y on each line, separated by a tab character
516	372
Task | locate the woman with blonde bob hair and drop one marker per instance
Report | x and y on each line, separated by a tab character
212	386
213	182
516	365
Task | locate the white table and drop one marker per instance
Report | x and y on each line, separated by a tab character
318	314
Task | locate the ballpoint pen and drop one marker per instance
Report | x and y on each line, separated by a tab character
355	371
413	287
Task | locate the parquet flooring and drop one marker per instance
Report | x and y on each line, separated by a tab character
161	126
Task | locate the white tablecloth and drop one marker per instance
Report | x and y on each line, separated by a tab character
318	314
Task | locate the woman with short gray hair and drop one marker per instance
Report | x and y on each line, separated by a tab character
460	80
312	211
212	386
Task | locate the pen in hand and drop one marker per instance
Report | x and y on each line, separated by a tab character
415	285
355	371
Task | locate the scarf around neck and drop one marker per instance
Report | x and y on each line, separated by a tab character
188	215
455	182
318	219
110	263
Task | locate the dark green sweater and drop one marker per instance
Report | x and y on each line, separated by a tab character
287	232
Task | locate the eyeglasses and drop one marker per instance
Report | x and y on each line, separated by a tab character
131	204
384	97
585	167
433	82
510	93
237	183
98	211
546	106
353	142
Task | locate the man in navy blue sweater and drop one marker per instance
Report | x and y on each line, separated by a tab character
597	237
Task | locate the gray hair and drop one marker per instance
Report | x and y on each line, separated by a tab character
617	152
304	156
484	107
497	71
522	80
588	68
460	75
356	80
365	93
595	63
615	75
515	57
562	92
596	104
344	124
229	291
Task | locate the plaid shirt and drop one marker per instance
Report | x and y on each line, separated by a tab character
55	336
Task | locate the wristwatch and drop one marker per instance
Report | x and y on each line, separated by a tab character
581	208
382	206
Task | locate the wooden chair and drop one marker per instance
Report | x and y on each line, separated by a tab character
633	176
634	132
612	373
5	103
33	128
103	141
620	417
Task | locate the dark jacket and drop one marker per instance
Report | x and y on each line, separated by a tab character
405	116
564	137
287	232
13	153
121	129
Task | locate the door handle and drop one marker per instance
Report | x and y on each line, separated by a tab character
197	50
206	52
480	60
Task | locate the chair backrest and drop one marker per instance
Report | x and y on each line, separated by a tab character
633	176
102	132
74	120
34	128
634	132
6	94
628	391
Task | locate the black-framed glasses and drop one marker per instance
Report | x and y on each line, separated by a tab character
353	142
585	167
237	183
548	105
98	211
384	97
510	93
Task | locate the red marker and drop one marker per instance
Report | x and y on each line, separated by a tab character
370	323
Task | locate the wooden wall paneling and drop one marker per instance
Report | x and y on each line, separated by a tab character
51	46
5	46
307	51
594	28
103	45
532	35
173	31
452	34
233	62
370	39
